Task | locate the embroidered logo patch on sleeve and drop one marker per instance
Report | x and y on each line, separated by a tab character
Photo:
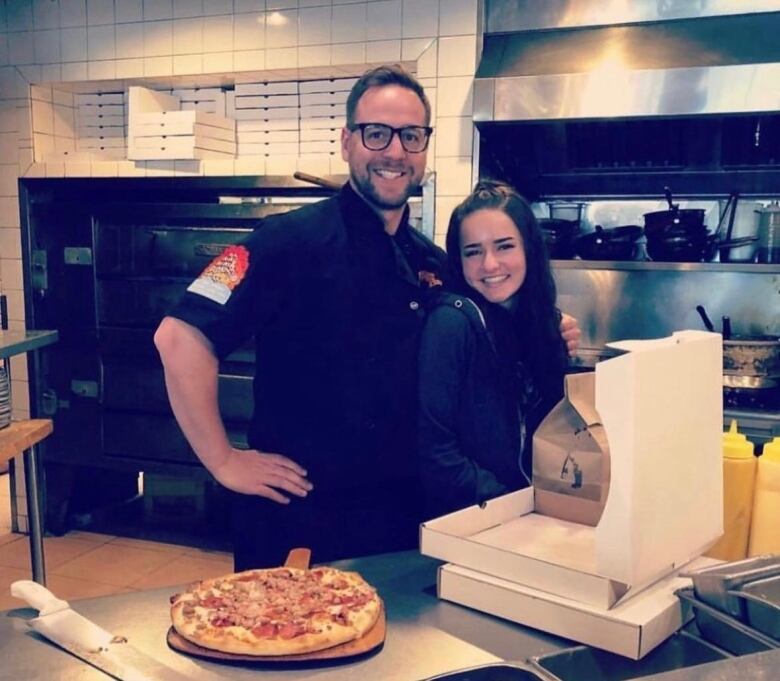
222	275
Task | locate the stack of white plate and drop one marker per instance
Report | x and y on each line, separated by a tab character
5	399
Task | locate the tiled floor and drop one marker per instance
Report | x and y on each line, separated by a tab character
85	564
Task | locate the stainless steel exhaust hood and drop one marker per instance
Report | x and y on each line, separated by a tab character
703	65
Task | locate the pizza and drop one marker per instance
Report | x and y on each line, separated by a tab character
277	611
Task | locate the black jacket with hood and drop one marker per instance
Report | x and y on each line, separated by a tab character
478	408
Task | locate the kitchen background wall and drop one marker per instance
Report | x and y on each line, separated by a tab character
48	42
76	41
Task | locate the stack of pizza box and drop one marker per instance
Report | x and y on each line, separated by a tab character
160	130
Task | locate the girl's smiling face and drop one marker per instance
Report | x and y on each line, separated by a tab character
493	255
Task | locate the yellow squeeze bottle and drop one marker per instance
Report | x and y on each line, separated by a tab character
739	475
765	525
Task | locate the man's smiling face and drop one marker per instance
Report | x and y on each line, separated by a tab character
386	178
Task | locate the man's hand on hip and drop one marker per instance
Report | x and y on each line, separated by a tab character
264	474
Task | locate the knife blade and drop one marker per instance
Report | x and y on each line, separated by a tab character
87	641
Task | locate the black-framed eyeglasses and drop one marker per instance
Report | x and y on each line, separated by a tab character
377	136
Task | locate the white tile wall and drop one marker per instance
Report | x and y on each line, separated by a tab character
188	36
100	12
129	40
101	42
47	46
73	12
187	64
218	33
214	7
383	51
158	38
158	9
21	47
460	17
314	26
453	176
454	136
74	44
8	181
129	10
349	23
10	243
457	56
281	29
46	14
455	96
186	8
421	18
3	49
383	20
249	31
19	16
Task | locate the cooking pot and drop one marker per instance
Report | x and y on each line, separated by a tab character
559	236
757	356
769	234
745	224
617	243
754	356
660	222
566	210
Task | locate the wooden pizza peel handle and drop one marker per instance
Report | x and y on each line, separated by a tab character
298	558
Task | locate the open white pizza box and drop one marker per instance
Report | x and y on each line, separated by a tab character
660	404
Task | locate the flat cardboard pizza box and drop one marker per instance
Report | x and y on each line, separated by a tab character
661	407
633	628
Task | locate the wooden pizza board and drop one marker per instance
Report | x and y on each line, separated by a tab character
372	641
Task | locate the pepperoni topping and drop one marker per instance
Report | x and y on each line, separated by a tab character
265	631
291	630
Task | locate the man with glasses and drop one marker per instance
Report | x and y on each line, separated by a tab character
334	294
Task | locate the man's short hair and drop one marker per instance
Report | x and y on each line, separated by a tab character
390	74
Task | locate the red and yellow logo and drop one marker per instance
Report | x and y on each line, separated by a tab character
229	267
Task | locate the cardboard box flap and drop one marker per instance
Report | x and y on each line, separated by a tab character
662	405
580	389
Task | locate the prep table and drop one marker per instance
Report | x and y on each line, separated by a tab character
425	636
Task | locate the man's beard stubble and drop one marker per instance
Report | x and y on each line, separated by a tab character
367	190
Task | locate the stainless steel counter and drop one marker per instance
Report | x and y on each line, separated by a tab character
425	637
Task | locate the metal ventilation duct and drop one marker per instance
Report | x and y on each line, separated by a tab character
702	65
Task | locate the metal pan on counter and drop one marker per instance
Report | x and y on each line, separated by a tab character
761	600
725	631
583	662
500	671
714	585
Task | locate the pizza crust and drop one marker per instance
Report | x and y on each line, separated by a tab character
193	613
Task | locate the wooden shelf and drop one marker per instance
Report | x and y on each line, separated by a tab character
22	435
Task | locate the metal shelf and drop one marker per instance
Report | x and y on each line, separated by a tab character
632	265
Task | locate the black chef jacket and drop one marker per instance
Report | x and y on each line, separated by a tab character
336	306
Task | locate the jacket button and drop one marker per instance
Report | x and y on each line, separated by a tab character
414	305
